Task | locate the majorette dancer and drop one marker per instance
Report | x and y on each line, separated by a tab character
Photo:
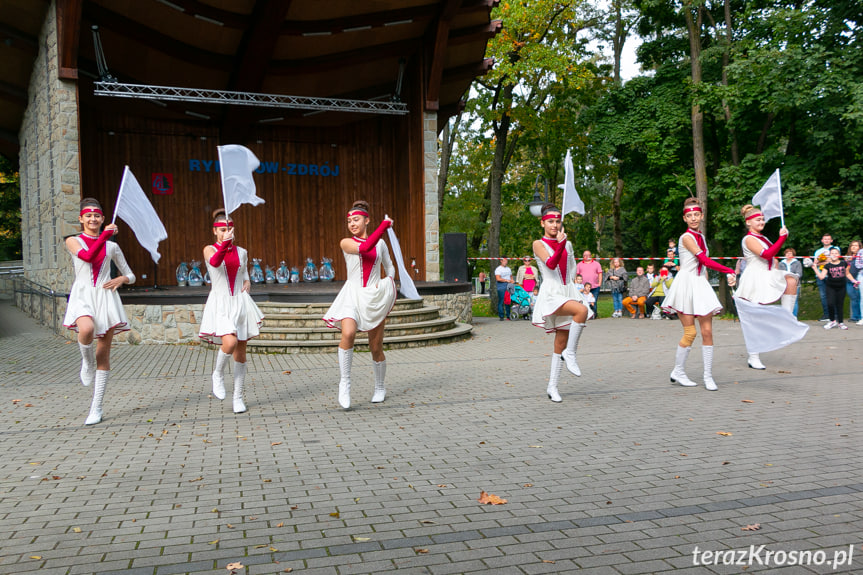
762	281
691	296
95	309
230	317
559	306
365	300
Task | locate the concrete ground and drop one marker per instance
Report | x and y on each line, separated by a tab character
630	474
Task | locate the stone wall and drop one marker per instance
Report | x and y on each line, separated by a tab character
455	304
50	182
162	323
430	175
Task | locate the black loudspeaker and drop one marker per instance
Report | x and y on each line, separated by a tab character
455	258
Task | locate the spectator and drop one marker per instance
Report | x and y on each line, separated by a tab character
591	271
834	273
671	263
589	300
482	278
820	258
658	286
791	264
857	266
639	289
533	296
526	276
650	272
503	276
616	278
579	282
850	288
672	245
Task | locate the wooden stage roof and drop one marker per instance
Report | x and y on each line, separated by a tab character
322	48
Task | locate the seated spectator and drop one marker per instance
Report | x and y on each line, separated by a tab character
589	300
659	286
639	289
650	272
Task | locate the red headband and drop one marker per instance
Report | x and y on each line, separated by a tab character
223	224
357	213
551	216
753	216
89	209
691	209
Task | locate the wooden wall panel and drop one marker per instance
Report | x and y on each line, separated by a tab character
304	215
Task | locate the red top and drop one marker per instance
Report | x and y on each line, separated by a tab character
94	253
557	260
367	258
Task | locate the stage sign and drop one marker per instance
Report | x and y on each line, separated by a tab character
163	184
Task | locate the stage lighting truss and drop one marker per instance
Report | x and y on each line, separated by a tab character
169	93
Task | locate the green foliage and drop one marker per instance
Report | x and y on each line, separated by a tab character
10	212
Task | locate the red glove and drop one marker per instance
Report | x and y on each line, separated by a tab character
707	262
89	254
771	252
555	258
222	248
369	244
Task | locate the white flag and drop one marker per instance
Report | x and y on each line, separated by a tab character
137	211
767	327
236	165
769	197
408	289
571	201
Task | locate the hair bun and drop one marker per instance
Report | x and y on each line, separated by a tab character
361	205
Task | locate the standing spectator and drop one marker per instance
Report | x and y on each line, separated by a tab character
526	275
850	288
791	264
834	273
671	263
591	272
616	277
672	245
857	267
658	286
503	276
482	279
820	258
589	300
639	289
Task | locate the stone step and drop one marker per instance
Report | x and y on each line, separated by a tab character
459	332
324	333
318	309
313	320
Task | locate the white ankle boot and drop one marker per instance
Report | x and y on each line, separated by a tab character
755	361
679	375
707	355
346	357
239	383
568	354
554	376
95	415
88	363
380	369
219	374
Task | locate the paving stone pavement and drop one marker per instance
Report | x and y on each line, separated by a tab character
628	475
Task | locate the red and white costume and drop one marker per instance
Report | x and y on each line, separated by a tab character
229	309
88	297
558	286
762	282
366	297
691	292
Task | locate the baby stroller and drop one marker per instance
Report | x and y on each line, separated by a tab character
520	300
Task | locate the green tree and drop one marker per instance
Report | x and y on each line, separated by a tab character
10	211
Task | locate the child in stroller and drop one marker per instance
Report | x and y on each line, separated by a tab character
520	302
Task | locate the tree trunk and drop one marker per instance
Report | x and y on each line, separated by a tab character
693	26
615	212
447	141
735	150
501	133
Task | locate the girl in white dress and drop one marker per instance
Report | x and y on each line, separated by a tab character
365	300
691	296
230	317
95	309
763	282
559	306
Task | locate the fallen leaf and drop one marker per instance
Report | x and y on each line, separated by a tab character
746	401
535	446
28	405
726	463
421	550
259	546
215	510
196	479
684	455
76	530
251	518
295	507
490	498
229	526
547	561
35	557
287	570
753	527
268	480
677	477
362	539
334	514
273	549
280	525
286	372
528	485
213	542
16	401
441	484
275	443
783	371
724	433
233	566
428	521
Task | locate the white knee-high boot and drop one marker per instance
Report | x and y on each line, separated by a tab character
679	375
568	354
707	355
755	361
380	368
219	374
346	357
88	362
239	382
787	302
553	377
95	415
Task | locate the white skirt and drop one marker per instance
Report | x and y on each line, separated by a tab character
100	304
691	294
368	306
762	285
230	315
551	296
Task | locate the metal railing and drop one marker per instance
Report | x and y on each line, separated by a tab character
36	301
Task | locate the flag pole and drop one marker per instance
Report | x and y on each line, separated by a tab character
222	180
781	205
120	193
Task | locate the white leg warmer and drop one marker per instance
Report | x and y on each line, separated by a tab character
219	374
554	376
239	382
568	354
679	375
88	362
787	302
95	415
346	357
707	355
380	368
